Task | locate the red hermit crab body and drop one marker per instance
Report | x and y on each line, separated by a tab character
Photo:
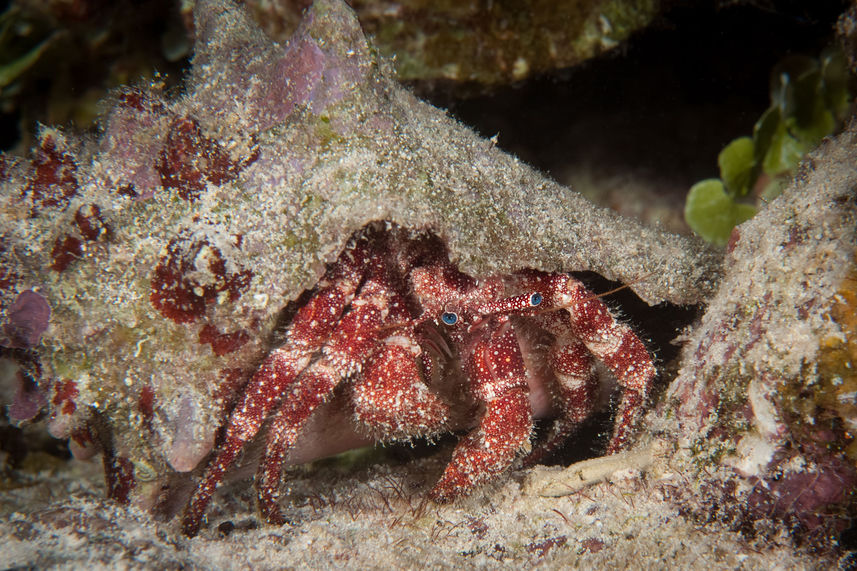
386	316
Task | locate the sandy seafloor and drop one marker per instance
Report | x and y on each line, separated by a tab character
375	518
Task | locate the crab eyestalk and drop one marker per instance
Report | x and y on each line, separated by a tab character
512	304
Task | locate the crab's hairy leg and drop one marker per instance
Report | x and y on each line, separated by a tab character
611	341
391	398
495	367
616	345
313	388
574	393
311	326
357	337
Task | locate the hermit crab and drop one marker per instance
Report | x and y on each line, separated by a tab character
389	317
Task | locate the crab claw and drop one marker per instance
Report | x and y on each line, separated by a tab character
490	449
391	399
498	378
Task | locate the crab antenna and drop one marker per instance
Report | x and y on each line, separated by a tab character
605	293
512	304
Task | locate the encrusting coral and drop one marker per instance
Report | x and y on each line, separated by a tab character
166	247
765	398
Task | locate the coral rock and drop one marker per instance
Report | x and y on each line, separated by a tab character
765	396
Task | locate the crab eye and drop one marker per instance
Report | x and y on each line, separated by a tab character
535	299
449	318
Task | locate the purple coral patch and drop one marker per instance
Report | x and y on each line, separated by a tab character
28	400
136	130
26	320
297	73
809	496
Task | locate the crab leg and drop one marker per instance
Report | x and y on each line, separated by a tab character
389	396
496	370
574	394
614	343
359	333
312	325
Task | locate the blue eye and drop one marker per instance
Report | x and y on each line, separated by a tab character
449	318
535	299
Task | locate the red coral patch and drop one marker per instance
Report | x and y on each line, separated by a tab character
119	473
65	251
127	190
189	159
541	548
222	343
65	392
191	275
146	405
91	227
54	180
83	437
90	223
592	545
140	100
